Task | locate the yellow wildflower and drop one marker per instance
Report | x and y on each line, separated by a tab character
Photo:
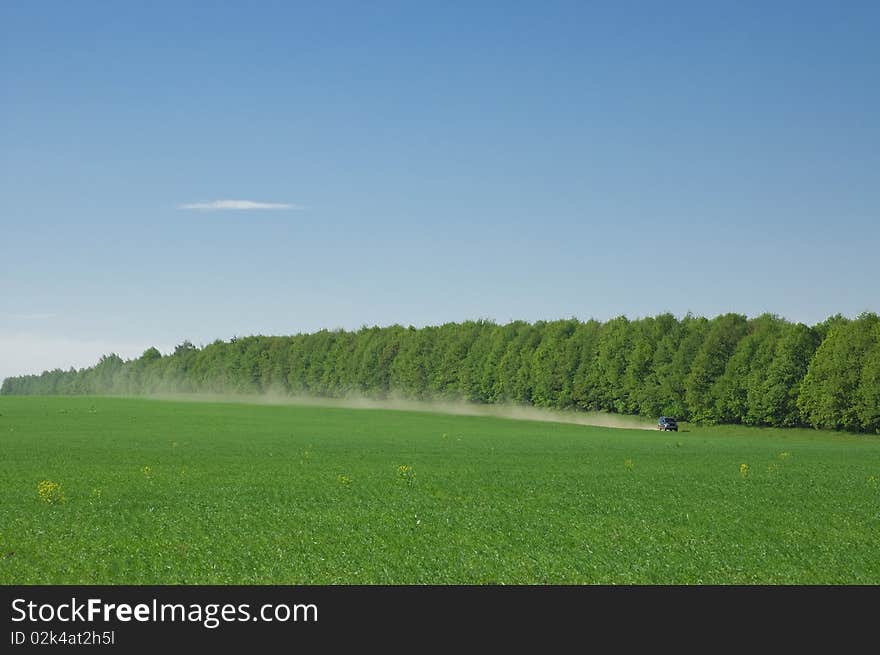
406	474
50	492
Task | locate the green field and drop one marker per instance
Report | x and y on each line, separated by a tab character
161	492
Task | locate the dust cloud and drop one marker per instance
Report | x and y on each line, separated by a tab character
460	408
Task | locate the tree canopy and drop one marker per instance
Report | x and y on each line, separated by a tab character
730	369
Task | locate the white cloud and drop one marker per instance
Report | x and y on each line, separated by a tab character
217	205
29	317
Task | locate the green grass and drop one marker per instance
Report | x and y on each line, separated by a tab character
159	492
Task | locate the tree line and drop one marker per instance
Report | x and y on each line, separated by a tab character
730	369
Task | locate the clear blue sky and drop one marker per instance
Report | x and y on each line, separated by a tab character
441	161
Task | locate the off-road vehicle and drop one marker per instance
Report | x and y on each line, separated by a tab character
667	423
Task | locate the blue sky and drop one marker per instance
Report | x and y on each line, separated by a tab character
441	161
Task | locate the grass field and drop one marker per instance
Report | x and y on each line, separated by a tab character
158	492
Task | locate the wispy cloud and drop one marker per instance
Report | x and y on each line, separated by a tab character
221	205
29	317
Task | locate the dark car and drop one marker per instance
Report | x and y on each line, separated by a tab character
667	423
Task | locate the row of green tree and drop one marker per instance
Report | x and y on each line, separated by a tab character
730	369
